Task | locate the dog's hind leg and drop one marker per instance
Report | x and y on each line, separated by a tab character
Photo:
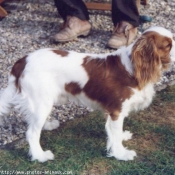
36	122
53	124
114	129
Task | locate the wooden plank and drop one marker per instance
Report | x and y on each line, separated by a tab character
107	6
144	2
138	4
98	6
3	12
1	1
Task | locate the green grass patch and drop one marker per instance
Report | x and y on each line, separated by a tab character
79	145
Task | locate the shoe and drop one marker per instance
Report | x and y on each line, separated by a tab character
71	29
124	33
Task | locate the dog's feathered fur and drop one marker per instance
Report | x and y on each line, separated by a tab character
115	83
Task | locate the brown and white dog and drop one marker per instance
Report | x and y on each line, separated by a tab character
116	83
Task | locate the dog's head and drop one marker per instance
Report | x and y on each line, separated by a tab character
151	54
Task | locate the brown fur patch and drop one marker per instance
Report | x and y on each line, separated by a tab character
73	88
17	70
61	52
109	83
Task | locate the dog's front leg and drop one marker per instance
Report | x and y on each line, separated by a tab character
114	129
36	122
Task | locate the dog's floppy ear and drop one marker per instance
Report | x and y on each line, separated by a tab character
145	59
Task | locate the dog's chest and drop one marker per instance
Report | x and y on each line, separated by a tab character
144	97
140	99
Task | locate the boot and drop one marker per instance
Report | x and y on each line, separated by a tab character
124	33
72	28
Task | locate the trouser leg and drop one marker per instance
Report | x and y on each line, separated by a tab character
75	8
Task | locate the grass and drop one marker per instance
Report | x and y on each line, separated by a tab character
79	145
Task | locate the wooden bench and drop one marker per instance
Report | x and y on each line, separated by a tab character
107	6
3	12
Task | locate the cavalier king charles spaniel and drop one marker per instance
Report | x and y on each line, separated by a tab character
116	83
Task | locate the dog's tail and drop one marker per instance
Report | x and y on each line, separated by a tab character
6	98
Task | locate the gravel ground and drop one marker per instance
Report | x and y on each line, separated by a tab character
30	25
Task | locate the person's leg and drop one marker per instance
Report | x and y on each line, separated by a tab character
75	15
125	17
125	10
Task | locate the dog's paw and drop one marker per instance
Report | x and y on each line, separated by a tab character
127	135
122	154
128	155
51	125
43	156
